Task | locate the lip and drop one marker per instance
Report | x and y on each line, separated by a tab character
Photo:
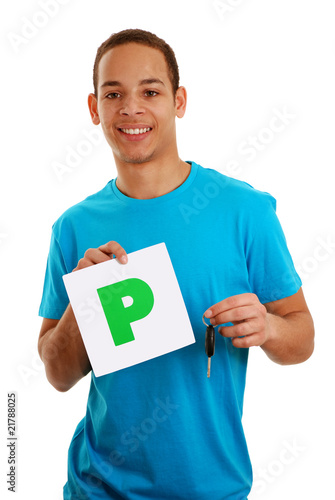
134	137
134	125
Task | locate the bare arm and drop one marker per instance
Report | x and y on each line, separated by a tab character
290	330
60	344
283	328
62	351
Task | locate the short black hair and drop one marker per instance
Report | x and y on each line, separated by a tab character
144	38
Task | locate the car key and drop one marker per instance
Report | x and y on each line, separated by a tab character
209	345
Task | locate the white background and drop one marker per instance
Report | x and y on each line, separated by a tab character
238	67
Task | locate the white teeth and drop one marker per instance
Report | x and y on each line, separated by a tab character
135	131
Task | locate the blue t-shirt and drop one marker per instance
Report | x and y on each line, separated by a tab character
161	429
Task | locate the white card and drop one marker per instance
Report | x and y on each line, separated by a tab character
129	313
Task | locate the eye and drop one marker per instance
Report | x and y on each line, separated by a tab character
151	93
113	95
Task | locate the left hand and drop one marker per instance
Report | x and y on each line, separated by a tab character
249	318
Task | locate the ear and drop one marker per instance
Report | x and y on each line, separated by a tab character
93	107
180	102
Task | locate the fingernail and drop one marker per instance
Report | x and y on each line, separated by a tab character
208	314
124	259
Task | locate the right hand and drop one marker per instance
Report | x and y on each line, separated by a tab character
102	254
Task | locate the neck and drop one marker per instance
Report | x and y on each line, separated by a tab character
151	179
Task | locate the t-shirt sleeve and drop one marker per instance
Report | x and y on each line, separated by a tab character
272	274
54	298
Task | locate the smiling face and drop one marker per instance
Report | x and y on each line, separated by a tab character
136	105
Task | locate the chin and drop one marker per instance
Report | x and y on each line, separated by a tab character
136	160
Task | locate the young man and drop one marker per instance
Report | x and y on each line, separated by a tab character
162	429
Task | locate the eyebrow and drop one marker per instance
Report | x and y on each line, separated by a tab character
150	81
147	81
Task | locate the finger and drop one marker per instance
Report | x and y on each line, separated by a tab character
113	248
233	302
242	329
235	315
254	340
92	256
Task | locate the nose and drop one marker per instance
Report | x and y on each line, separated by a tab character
131	106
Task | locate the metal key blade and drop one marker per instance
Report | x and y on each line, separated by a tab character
209	367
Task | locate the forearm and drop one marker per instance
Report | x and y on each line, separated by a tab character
290	338
63	353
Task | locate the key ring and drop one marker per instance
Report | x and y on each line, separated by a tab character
203	320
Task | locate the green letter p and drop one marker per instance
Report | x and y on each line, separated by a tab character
120	316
